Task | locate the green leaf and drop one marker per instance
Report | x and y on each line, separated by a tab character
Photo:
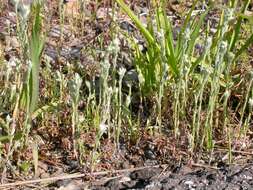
137	22
195	34
169	46
36	46
236	32
183	29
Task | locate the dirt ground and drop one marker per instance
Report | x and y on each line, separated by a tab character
234	177
229	178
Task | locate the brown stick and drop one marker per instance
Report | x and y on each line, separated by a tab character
204	166
238	151
19	183
72	176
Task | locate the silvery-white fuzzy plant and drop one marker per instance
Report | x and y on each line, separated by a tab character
23	10
74	88
122	72
247	102
22	7
218	69
226	95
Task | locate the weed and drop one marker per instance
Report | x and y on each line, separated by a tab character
172	63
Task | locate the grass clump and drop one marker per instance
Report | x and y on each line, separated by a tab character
174	64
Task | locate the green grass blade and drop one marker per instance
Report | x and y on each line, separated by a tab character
170	49
195	34
137	22
36	48
236	31
183	29
217	36
248	42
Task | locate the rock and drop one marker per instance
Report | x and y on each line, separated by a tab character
131	78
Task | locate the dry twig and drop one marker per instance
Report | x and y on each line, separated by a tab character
72	176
